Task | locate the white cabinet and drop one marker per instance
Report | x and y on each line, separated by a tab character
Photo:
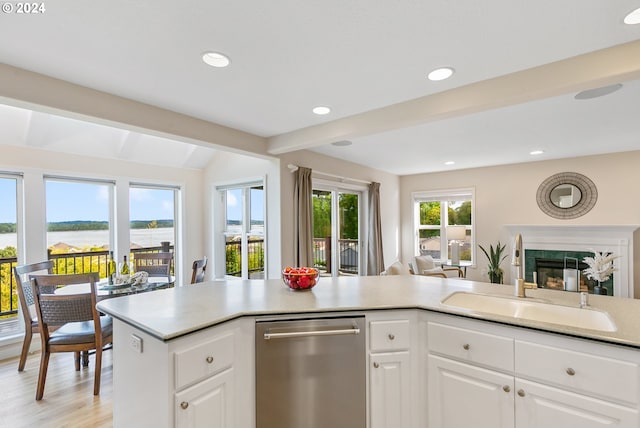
484	375
392	362
540	405
390	380
208	403
462	395
203	379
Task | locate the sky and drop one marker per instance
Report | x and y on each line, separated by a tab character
68	200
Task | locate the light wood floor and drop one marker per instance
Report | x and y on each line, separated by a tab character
68	395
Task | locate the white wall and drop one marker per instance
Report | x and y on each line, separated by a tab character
229	168
35	163
507	195
389	195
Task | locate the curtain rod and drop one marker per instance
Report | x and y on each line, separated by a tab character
294	168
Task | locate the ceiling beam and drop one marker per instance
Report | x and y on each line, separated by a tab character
599	68
27	89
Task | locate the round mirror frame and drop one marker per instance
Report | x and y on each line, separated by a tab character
584	205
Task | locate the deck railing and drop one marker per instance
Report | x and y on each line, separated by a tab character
65	263
255	252
348	258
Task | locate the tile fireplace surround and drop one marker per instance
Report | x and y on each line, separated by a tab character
618	240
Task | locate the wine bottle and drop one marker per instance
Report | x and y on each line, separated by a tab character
111	269
124	269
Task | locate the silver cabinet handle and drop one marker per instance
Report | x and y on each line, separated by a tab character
466	346
391	336
268	336
506	388
571	371
521	393
209	359
376	365
184	405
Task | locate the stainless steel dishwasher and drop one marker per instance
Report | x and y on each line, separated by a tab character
311	373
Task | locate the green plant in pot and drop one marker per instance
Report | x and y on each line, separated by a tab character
496	256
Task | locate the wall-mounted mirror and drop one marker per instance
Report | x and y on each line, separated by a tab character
567	195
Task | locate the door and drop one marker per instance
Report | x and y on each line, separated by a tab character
209	403
390	384
461	395
337	214
544	406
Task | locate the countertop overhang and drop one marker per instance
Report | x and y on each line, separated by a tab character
172	313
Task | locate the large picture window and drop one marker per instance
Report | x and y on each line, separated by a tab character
434	214
79	227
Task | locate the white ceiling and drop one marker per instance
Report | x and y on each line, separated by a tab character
352	55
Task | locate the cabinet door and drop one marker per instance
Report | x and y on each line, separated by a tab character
461	395
390	385
539	405
208	404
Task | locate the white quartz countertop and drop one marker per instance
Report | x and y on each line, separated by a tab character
172	313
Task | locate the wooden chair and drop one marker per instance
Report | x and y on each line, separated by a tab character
81	326
27	305
199	270
155	264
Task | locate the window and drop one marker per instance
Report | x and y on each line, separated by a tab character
152	214
152	217
337	213
79	227
433	212
244	226
9	229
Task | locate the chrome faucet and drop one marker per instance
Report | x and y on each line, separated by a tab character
516	261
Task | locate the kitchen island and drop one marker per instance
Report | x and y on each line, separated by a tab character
175	349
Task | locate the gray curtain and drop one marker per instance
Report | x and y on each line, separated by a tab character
375	259
303	212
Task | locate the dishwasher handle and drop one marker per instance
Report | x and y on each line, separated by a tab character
269	336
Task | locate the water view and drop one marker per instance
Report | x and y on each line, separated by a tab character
98	238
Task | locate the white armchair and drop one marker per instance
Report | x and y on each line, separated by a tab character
425	265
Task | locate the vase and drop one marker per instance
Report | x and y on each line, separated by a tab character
600	289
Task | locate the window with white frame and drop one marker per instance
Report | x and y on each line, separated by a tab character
443	219
10	194
244	230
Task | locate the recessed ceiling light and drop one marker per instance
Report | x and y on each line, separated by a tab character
440	73
449	163
633	17
216	59
321	110
597	92
536	152
342	143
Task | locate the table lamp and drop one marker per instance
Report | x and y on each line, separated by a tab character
455	234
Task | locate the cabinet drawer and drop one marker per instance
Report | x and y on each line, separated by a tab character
578	371
471	346
389	335
202	361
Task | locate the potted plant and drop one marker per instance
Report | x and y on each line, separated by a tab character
496	256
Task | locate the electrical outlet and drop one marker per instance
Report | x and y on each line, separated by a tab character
136	343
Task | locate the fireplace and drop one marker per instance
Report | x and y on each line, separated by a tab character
561	270
578	241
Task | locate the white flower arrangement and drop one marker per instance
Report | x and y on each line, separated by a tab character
600	266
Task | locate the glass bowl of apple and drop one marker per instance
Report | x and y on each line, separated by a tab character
300	278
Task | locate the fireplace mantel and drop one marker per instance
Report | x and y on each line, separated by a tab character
616	239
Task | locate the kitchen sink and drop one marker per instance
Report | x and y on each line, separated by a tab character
526	308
